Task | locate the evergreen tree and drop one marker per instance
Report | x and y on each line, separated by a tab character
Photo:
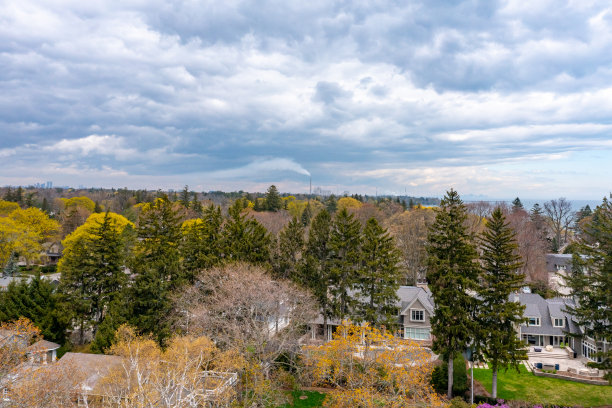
114	317
184	200
196	205
306	215
452	271
156	264
257	205
38	301
316	272
591	281
290	249
344	244
11	268
274	202
411	204
517	205
245	239
379	276
97	208
202	243
331	204
92	272
498	313
45	205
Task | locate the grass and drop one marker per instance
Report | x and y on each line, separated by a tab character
524	386
314	399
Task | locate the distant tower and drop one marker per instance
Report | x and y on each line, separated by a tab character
310	190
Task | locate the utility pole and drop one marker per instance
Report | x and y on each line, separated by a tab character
310	190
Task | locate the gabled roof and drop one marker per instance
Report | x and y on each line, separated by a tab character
547	310
93	367
43	345
410	294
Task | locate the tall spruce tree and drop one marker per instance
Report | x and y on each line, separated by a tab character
379	276
245	239
273	201
590	281
290	249
517	205
202	243
316	272
344	245
452	272
498	312
156	265
92	271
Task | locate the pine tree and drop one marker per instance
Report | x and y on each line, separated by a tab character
452	272
344	244
273	202
306	215
316	272
11	268
331	204
202	243
92	273
517	205
245	239
590	280
45	205
97	208
156	264
498	313
379	276
290	248
184	200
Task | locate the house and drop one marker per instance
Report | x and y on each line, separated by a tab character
42	352
415	308
558	266
548	322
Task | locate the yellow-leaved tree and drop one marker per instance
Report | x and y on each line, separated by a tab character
366	368
24	232
348	203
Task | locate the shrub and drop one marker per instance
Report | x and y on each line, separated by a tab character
439	377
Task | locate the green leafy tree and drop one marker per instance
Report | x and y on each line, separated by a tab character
287	262
379	276
38	301
498	313
316	272
156	264
202	242
273	201
591	280
452	272
245	239
344	245
92	268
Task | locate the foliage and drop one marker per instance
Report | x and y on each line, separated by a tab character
288	257
498	314
370	368
524	386
591	279
20	334
346	203
379	276
84	202
7	207
452	273
156	264
92	268
273	200
439	377
35	300
246	240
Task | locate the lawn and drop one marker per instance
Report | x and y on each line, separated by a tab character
314	399
525	386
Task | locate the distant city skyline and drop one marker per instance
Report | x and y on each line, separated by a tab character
493	98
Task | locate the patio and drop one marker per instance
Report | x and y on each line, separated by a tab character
557	356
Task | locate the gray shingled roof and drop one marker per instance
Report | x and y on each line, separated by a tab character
408	294
547	310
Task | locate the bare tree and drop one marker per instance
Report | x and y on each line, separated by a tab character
240	306
477	214
560	217
410	232
532	244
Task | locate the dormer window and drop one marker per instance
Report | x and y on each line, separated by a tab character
417	315
557	322
533	321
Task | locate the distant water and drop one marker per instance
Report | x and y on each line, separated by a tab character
528	204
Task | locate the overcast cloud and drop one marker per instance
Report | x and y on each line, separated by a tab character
501	98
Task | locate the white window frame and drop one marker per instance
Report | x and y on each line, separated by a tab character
537	319
412	319
424	333
555	319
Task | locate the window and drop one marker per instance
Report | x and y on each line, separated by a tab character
558	322
416	333
417	315
533	321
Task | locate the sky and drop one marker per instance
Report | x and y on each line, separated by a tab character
492	98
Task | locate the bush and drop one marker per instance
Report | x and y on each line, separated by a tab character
439	377
458	402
